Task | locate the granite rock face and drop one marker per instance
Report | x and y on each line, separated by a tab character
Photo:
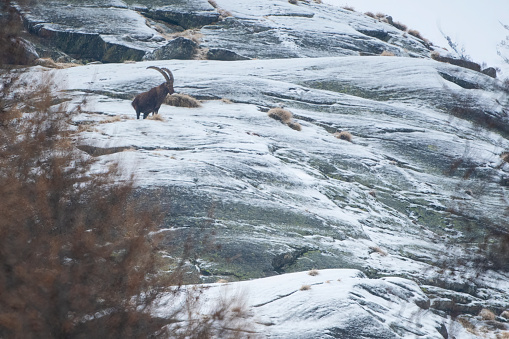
117	31
420	191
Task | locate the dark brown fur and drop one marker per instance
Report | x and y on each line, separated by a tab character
150	101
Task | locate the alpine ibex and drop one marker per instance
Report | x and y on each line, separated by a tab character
150	101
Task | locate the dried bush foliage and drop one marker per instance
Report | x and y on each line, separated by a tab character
348	8
285	117
109	120
344	135
486	314
400	26
305	287
377	249
505	157
182	100
313	272
416	34
156	117
280	114
387	53
295	125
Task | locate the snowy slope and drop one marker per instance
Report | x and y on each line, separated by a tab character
412	196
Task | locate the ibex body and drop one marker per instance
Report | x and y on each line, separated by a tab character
150	101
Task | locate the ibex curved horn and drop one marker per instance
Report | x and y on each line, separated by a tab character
162	72
169	73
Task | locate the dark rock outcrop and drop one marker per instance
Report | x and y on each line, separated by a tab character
490	71
224	54
458	62
178	48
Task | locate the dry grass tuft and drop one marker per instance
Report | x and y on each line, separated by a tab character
370	14
50	63
344	135
467	325
109	120
226	101
192	34
285	116
305	287
280	114
376	249
156	117
416	34
503	335
486	314
313	272
387	53
505	314
380	16
400	26
182	100
348	8
295	125
505	156
222	281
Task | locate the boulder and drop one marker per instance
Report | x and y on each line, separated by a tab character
490	71
458	62
178	48
18	51
224	54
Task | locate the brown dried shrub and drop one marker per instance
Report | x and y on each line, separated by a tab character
486	314
400	26
280	114
416	34
295	125
156	117
182	100
344	135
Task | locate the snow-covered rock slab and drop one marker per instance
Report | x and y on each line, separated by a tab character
278	29
307	191
332	304
403	198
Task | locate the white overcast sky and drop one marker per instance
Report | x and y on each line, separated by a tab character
474	24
